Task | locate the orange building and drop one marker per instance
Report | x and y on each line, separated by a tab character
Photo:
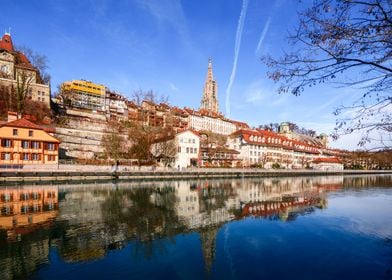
25	209
23	142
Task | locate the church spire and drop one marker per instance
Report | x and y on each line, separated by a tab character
209	101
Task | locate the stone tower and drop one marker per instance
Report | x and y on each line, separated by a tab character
209	101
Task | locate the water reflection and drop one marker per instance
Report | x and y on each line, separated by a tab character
85	221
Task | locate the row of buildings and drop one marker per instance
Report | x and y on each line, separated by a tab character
242	146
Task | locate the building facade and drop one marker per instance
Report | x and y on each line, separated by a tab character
268	149
18	74
323	163
22	142
84	95
205	121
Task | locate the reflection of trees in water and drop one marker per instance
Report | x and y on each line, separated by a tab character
20	259
213	196
146	214
367	181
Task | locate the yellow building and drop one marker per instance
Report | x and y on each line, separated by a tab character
84	94
22	142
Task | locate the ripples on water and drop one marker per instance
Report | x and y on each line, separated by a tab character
331	227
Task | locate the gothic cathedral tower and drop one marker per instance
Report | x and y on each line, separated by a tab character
209	101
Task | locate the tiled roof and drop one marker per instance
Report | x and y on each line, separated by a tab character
271	139
6	43
23	123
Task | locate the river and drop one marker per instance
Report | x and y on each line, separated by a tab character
329	227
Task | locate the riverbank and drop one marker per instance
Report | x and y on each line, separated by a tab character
21	176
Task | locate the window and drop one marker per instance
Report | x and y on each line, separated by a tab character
50	146
6	211
179	149
35	156
187	150
6	197
7	156
25	144
15	132
6	143
25	156
24	196
31	133
35	145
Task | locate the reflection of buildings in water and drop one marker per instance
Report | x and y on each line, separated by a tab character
22	260
25	209
202	203
283	197
208	243
87	236
98	217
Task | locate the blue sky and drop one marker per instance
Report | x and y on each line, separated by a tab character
164	45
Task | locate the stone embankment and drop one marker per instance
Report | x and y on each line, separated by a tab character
20	176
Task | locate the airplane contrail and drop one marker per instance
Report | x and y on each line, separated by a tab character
263	33
236	51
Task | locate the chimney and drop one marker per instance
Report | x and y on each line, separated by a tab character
12	116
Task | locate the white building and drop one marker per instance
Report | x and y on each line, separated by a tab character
180	151
332	164
188	149
265	148
218	124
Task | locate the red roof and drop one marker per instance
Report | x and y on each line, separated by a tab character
23	61
6	43
240	124
23	123
268	138
327	160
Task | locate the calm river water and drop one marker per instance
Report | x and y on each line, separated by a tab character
335	227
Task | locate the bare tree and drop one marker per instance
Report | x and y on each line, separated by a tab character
165	150
39	61
113	141
138	96
346	42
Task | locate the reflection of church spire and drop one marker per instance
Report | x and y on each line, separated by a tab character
209	101
208	239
